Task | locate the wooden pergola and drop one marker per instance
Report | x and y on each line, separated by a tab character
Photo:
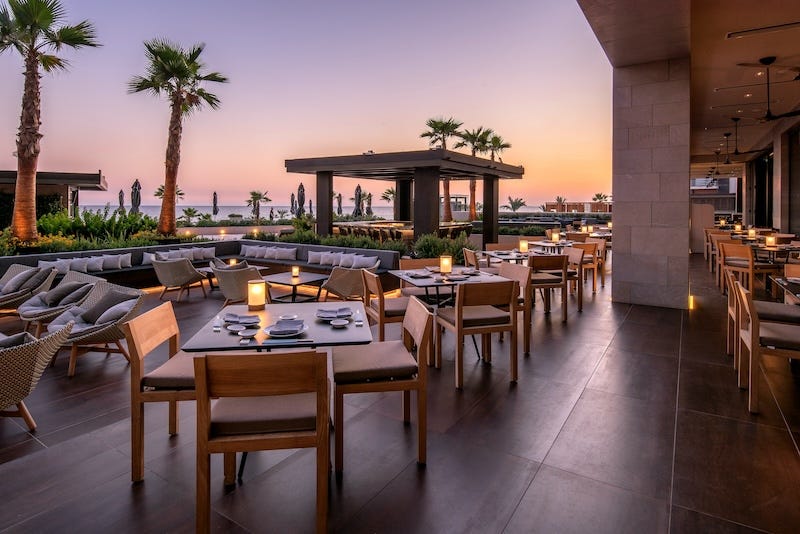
416	175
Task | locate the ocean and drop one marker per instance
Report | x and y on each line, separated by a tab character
245	211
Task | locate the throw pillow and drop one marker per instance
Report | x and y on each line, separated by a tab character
116	312
79	264
208	252
125	260
16	281
57	294
314	257
36	280
244	250
260	252
111	261
347	260
285	253
330	258
77	295
95	264
364	262
62	265
186	253
6	342
174	254
270	253
112	298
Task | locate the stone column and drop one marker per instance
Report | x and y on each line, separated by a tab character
491	199
426	201
324	202
651	183
402	200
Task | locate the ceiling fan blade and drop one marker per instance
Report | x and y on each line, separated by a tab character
794	113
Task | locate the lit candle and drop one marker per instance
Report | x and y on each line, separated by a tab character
555	237
590	228
523	246
232	261
723	222
609	225
256	294
295	270
737	227
751	232
445	264
771	241
584	229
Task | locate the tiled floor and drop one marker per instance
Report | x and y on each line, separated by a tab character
625	419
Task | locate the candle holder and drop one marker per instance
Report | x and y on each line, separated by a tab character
751	233
555	237
771	241
256	294
610	225
445	264
584	229
723	222
232	261
523	246
295	271
737	227
590	228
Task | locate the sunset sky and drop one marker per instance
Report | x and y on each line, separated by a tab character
321	78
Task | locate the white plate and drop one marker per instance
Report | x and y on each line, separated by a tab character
288	317
248	332
340	323
235	327
270	327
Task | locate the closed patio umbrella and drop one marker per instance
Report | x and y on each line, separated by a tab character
301	200
121	201
136	196
214	205
357	198
339	204
292	205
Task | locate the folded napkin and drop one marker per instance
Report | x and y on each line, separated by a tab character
241	319
340	313
285	327
418	275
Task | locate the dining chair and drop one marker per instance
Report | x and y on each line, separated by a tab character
741	261
550	272
710	248
408	264
380	309
476	311
178	274
600	254
279	402
386	366
472	259
171	382
715	261
757	339
345	283
577	237
522	274
500	246
590	262
575	272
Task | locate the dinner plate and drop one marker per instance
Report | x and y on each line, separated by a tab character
270	327
236	327
248	332
418	275
340	323
456	278
288	317
432	269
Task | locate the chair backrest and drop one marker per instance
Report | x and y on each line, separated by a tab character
575	256
502	293
500	246
233	282
791	269
149	330
601	246
732	249
470	258
346	283
548	262
174	272
418	263
589	251
748	321
717	237
520	273
372	287
730	282
417	329
248	374
578	237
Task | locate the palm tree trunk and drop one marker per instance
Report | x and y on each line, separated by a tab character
166	219
447	215
473	210
23	221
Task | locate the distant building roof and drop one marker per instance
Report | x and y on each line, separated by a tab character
81	180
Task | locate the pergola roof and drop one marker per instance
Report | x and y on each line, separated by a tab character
83	181
401	165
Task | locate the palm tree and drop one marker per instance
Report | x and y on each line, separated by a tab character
255	200
478	141
600	197
438	132
514	204
179	74
34	28
160	193
496	145
560	202
389	195
189	214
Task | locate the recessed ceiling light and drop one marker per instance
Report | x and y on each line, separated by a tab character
760	73
748	95
738	111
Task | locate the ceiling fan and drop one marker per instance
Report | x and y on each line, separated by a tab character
736	151
766	63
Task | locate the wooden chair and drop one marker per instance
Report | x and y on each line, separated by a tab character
522	274
380	309
600	257
407	264
590	262
476	312
178	274
279	402
575	272
577	237
757	339
21	366
741	261
173	381
500	246
716	260
548	273
345	283
471	259
709	249
386	366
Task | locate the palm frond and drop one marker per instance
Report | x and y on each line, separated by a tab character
75	36
52	63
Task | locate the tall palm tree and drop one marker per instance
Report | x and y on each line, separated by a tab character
478	141
34	28
496	145
438	132
255	200
179	74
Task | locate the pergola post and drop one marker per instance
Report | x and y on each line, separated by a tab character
324	202
426	201
402	200
491	198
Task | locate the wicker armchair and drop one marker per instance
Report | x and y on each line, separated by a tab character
20	370
233	282
96	336
36	310
10	301
346	284
178	274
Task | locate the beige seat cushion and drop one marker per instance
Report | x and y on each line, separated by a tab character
413	292
781	336
175	373
777	312
395	307
737	262
476	315
545	278
263	415
385	360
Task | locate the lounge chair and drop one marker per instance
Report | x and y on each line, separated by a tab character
345	283
233	282
73	290
20	282
178	274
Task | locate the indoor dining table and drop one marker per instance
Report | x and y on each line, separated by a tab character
215	335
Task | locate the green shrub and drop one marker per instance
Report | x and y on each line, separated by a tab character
432	246
301	236
361	241
261	236
521	230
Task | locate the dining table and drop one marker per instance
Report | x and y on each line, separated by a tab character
221	335
295	281
440	289
790	286
552	247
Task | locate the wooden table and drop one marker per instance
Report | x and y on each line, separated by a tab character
507	255
549	246
433	282
319	334
304	278
791	290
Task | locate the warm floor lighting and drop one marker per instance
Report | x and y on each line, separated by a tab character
691	302
256	294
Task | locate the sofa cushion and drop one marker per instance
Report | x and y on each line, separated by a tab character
125	260
271	253
260	252
354	364
256	415
95	264
345	260
315	256
187	253
476	315
15	282
6	342
111	261
110	299
285	253
61	265
76	295
330	258
36	280
116	312
364	262
79	264
176	373
57	294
